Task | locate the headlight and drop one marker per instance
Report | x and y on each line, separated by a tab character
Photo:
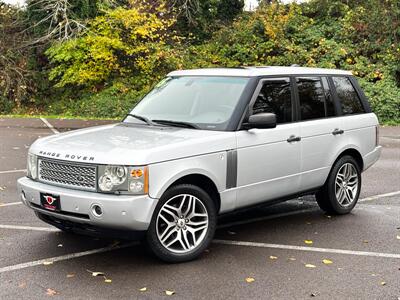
123	179
32	166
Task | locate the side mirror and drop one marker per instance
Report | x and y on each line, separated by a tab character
262	120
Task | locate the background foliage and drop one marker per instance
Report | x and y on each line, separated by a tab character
99	57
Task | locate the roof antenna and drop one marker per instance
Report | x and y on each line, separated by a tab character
295	65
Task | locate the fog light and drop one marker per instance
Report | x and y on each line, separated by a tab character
96	210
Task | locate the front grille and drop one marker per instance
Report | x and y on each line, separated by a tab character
67	174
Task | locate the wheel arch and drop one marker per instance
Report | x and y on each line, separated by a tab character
196	176
353	152
202	181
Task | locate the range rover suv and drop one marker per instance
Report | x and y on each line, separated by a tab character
203	143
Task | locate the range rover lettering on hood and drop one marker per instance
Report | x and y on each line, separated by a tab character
66	156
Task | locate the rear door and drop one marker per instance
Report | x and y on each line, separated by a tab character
359	123
268	164
321	131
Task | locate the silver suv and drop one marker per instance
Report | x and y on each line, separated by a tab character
203	143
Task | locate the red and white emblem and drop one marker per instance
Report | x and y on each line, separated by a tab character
49	199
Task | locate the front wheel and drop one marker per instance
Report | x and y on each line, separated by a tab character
183	224
340	193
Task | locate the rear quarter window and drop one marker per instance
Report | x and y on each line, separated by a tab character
348	96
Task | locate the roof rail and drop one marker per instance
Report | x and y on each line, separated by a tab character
295	65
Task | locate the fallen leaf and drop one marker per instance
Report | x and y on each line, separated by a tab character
169	293
365	241
231	232
398	237
310	266
60	245
328	216
1	188
308	242
308	223
327	261
51	292
70	275
22	285
383	283
292	258
107	280
143	289
95	274
250	279
47	263
315	294
273	257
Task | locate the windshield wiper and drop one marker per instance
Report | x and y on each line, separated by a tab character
142	118
177	123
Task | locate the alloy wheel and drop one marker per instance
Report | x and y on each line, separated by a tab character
182	223
346	184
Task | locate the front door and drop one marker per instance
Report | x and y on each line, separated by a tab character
268	160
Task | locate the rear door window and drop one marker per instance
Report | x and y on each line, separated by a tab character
313	98
348	97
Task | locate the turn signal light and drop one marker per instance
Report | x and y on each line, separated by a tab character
136	173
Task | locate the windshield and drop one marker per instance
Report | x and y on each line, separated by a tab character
204	102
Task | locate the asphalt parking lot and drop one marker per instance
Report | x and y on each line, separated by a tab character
287	251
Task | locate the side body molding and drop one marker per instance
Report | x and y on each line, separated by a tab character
231	169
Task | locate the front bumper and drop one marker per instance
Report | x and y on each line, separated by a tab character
120	212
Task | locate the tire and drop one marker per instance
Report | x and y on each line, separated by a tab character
175	239
340	193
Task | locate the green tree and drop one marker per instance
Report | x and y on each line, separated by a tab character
122	43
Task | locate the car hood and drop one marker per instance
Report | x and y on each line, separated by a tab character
128	144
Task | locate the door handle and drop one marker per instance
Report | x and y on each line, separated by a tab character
293	138
337	131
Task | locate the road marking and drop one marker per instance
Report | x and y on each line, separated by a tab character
65	257
309	249
48	229
270	217
12	171
10	204
51	127
371	198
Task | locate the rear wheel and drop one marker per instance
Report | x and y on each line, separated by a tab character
183	224
340	193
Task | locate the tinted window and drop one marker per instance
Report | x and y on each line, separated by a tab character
329	106
313	104
275	97
348	96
